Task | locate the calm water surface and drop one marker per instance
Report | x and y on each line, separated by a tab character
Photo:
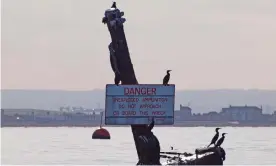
75	146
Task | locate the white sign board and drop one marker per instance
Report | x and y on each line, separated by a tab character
137	104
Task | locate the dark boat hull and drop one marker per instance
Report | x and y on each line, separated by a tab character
206	156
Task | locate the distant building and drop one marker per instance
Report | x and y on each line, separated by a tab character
185	113
212	116
242	113
274	116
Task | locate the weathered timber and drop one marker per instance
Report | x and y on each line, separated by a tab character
120	58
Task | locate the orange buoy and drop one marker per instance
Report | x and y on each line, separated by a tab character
101	133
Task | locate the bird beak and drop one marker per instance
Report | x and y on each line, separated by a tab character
169	70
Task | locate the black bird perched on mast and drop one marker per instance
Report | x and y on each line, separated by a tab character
166	79
215	138
114	5
220	141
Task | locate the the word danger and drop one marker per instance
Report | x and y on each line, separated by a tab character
140	91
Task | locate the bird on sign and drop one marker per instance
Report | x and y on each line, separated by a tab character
166	79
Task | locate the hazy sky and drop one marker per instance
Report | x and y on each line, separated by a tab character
62	44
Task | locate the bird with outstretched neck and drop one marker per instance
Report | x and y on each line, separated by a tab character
215	138
220	141
166	79
150	147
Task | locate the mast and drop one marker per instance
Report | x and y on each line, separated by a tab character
120	58
101	120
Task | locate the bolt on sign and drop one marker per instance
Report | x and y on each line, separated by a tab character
138	104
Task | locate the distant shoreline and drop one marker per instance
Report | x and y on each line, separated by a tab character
203	101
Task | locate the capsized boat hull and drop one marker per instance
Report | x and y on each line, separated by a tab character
205	156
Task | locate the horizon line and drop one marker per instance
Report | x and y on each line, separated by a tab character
98	89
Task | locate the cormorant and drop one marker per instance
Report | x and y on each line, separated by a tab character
117	79
215	138
149	146
166	79
114	5
220	141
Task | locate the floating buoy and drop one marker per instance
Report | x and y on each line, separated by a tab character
101	133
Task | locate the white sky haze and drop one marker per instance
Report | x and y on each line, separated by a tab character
214	44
